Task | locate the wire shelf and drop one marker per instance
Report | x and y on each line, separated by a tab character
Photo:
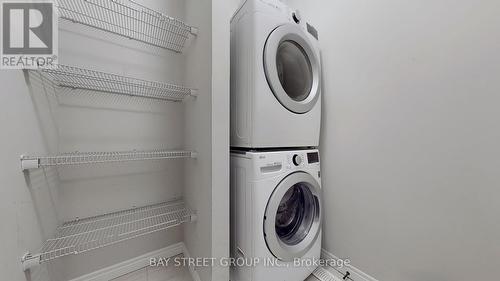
82	235
80	78
128	19
79	158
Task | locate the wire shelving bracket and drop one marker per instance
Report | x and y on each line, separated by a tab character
83	235
80	78
129	19
80	158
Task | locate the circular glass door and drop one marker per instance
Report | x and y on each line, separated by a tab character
292	68
293	216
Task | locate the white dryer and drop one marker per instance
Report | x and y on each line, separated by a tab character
276	214
275	78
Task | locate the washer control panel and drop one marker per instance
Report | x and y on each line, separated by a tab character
299	159
279	161
312	157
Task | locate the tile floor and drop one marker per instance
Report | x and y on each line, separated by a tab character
323	274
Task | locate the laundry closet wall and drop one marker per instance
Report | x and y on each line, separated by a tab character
37	121
210	134
99	122
410	136
29	205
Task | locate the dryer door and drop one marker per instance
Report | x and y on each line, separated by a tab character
292	68
293	216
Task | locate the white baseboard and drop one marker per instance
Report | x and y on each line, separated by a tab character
355	273
137	263
193	272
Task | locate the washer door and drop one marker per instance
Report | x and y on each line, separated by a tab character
293	215
292	68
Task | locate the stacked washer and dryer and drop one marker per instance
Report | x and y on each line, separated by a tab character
276	205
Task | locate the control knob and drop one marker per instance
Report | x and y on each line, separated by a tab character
296	17
297	160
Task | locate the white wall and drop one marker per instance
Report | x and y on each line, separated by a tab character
41	122
198	176
207	130
110	123
222	10
410	136
29	204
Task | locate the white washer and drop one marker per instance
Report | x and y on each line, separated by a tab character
275	78
276	214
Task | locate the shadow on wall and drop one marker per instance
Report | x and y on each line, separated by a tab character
45	185
39	273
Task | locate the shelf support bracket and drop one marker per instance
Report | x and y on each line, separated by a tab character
194	93
29	261
194	217
194	31
194	154
29	163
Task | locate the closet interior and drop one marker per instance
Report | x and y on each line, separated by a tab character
126	124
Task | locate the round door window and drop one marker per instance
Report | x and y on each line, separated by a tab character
294	70
295	214
292	220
